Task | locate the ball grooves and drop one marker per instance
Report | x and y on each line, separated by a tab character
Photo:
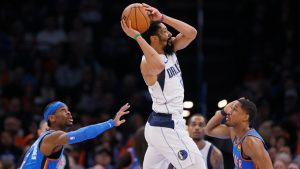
128	16
136	24
144	17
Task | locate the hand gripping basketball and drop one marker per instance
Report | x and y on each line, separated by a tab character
154	13
128	29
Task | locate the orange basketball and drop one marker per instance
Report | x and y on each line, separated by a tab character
140	20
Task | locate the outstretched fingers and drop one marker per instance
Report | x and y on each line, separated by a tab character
122	121
124	107
121	113
123	110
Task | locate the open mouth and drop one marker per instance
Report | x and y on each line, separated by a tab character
227	118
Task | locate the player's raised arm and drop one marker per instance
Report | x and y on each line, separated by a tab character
187	33
152	59
214	128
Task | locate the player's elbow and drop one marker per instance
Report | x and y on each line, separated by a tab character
207	131
193	33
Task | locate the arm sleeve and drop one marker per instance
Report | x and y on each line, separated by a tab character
89	132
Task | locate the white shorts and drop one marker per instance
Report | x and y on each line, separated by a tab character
167	145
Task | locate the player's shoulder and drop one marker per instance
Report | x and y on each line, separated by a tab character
54	134
216	157
252	141
252	146
216	151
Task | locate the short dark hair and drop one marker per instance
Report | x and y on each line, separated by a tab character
200	115
250	108
153	30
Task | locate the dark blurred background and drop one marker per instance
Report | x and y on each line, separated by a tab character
75	51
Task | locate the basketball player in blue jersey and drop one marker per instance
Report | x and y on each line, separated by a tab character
249	150
168	140
47	150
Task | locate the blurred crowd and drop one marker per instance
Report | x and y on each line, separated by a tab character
267	71
70	50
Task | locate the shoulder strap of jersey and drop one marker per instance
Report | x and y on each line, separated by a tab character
253	133
209	166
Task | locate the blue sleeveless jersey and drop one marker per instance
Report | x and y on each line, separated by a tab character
134	160
34	158
239	161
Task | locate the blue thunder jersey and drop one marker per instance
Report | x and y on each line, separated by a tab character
134	160
239	161
34	158
168	93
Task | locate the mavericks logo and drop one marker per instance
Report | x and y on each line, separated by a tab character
182	154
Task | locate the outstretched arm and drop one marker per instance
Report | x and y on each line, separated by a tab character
187	33
59	138
254	148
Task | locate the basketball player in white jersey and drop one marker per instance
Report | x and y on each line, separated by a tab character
212	155
168	140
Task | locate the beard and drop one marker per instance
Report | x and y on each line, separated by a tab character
169	49
196	139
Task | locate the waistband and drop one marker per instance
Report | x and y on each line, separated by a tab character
161	120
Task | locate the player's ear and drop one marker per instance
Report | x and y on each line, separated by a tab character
154	38
52	118
246	117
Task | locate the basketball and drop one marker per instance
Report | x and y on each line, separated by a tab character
140	20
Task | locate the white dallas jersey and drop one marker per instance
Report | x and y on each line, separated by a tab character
205	150
168	92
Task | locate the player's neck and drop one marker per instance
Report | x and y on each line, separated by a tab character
58	128
200	143
241	130
158	49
